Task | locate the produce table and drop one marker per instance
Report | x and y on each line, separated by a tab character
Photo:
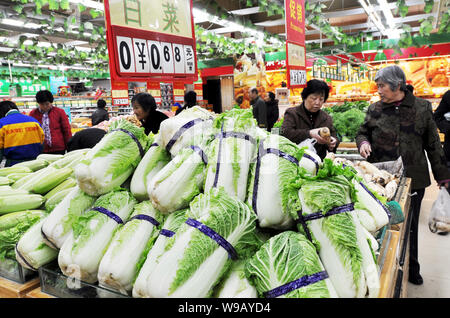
394	252
37	293
10	289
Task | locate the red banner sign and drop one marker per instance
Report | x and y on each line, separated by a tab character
295	43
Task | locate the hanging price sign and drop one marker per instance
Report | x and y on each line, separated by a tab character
151	40
295	43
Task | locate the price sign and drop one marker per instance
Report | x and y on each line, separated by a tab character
120	101
297	77
151	40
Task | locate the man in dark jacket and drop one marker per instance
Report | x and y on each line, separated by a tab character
305	121
100	114
401	124
190	100
442	118
259	107
272	110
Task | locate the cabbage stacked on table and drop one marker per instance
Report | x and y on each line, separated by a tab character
211	206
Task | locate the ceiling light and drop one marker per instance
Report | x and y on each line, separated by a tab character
12	22
90	4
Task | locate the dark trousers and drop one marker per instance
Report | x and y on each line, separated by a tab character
416	202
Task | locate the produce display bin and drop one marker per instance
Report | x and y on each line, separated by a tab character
55	283
12	270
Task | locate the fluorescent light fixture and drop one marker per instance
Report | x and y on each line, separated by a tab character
373	16
90	4
12	22
369	51
387	13
394	34
202	16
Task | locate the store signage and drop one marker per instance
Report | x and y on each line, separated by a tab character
151	40
295	43
275	65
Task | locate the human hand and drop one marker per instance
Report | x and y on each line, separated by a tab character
365	150
314	133
332	143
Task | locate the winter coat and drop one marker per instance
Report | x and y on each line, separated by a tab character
59	128
272	113
99	115
260	112
442	123
86	138
21	137
405	129
297	124
153	121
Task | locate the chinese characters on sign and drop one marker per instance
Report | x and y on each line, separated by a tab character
151	39
295	43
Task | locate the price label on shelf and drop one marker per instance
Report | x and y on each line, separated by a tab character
120	101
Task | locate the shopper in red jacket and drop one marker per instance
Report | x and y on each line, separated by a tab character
54	122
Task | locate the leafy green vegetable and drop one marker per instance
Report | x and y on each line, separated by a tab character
283	259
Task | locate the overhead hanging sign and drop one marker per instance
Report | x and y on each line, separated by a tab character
295	43
154	40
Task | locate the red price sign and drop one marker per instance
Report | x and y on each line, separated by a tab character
295	43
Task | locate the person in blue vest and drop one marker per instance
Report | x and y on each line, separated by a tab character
21	136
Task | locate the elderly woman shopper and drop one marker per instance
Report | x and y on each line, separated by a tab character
305	121
144	107
401	124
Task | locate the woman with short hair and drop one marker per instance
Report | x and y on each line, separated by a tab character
144	107
402	125
306	120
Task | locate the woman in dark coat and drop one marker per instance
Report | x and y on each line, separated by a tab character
144	107
305	121
444	124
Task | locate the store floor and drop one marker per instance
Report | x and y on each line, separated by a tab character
434	255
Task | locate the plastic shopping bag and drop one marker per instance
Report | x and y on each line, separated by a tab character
439	219
309	143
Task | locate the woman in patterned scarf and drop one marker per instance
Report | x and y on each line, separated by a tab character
54	122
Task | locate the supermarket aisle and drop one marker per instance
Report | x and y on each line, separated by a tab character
434	256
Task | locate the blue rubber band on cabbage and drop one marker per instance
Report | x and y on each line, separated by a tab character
201	153
213	235
141	150
261	153
314	216
167	233
296	284
312	159
180	131
145	218
108	213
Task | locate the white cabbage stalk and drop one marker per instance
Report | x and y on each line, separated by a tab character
310	164
31	250
230	157
81	253
129	248
178	182
344	248
186	137
193	263
277	200
154	160
283	259
172	222
235	284
70	159
111	161
372	214
58	225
